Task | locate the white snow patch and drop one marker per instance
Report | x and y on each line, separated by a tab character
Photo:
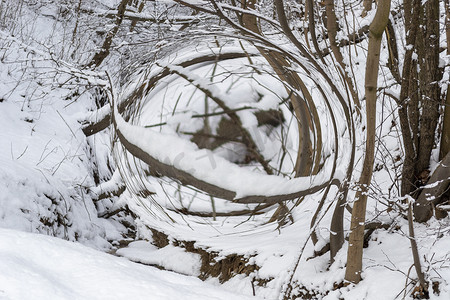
170	257
42	267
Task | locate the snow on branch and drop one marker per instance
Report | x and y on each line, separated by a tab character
100	119
183	161
143	17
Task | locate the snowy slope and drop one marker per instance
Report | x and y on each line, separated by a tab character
41	267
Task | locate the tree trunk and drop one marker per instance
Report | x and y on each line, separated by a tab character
414	249
431	196
408	107
430	75
420	93
356	239
104	50
445	138
140	8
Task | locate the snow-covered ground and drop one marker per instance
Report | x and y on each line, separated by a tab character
36	266
50	174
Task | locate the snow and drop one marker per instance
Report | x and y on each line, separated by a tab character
144	252
44	168
204	165
38	267
51	174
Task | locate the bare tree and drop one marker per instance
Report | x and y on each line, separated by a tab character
356	239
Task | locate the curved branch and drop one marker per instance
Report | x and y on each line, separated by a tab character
247	138
135	138
312	28
304	109
234	213
144	88
332	31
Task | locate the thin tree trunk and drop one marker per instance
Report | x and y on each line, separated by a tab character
408	107
332	31
337	223
414	250
74	33
100	56
140	8
312	28
393	52
356	239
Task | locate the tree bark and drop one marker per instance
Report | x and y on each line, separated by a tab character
420	92
409	98
431	196
100	56
367	6
430	75
445	138
356	239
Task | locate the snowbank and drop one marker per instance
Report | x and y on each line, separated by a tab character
42	267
